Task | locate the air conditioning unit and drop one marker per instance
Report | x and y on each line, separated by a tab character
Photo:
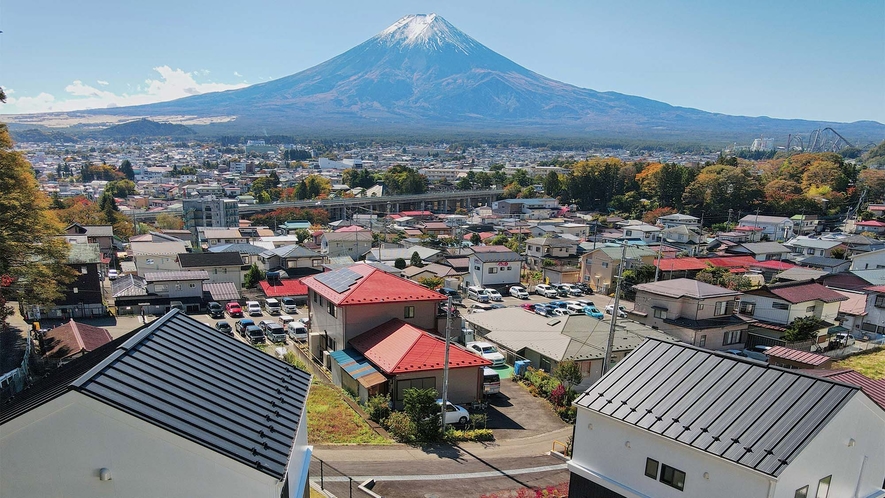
327	360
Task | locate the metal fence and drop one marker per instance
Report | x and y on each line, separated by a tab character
332	481
15	380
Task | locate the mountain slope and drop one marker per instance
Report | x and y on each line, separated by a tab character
422	72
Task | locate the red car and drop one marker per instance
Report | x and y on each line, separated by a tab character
530	307
233	309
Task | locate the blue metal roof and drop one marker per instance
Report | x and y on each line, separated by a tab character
352	362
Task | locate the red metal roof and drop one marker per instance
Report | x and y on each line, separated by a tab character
416	213
875	389
284	287
396	347
878	288
351	228
745	228
72	338
680	264
375	286
773	265
805	357
732	262
870	223
805	291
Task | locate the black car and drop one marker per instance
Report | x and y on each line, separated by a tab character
224	328
585	289
215	310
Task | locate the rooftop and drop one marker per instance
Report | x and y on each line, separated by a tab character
365	284
686	287
72	338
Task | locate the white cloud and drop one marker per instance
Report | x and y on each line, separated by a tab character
172	84
238	75
102	82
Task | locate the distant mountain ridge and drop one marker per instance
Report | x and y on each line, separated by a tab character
422	73
146	128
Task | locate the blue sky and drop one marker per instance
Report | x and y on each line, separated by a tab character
786	59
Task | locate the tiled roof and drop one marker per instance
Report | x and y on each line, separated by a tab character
72	338
283	287
875	389
203	259
184	377
806	357
396	347
877	288
129	286
238	248
800	292
752	414
374	286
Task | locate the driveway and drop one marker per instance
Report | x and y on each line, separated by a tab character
514	413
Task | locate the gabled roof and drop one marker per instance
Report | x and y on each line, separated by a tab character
84	254
759	248
184	377
222	291
348	235
202	259
238	248
816	243
396	347
129	286
633	252
72	338
365	284
170	276
680	264
806	357
497	256
686	287
799	292
752	414
875	389
283	287
823	262
291	251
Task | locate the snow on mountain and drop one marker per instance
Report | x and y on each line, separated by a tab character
427	30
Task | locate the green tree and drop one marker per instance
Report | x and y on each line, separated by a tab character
126	169
432	282
169	221
475	239
552	184
121	188
521	178
33	258
302	234
717	275
802	329
416	260
252	277
400	264
569	373
404	180
421	407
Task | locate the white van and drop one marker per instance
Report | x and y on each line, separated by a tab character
297	331
272	306
285	320
477	294
491	381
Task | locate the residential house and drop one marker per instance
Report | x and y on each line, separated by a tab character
159	292
494	266
546	342
83	297
174	409
813	246
868	260
773	227
675	420
70	341
688	241
775	306
637	232
579	230
854	280
410	357
679	220
354	244
103	235
805	224
600	267
541	251
436	229
248	252
433	270
526	209
156	256
780	356
388	255
346	302
874	321
852	311
211	237
295	259
861	243
761	251
825	264
220	266
694	312
871	226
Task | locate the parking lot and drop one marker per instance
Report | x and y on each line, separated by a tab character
600	300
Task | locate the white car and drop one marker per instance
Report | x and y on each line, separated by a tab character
546	291
487	351
253	308
494	295
519	292
622	311
113	274
565	312
455	414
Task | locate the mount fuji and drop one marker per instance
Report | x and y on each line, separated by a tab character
424	74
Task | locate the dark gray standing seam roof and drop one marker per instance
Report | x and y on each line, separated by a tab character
185	377
745	411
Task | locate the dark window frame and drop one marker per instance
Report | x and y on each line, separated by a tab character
673	479
649	462
801	492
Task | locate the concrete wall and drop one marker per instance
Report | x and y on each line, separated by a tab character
58	448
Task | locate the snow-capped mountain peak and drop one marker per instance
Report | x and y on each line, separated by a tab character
426	30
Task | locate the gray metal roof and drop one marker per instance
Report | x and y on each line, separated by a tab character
173	275
741	410
203	259
185	377
494	257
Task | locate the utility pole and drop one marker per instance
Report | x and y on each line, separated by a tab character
606	362
445	388
660	253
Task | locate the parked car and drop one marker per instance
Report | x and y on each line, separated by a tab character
585	289
622	311
562	290
842	340
530	307
494	295
574	307
215	310
296	331
546	291
544	310
593	311
285	320
275	332
573	290
234	310
487	351
254	334
736	352
272	306
242	324
455	295
478	294
264	323
443	309
113	274
289	305
564	312
558	304
253	308
454	414
224	328
491	381
480	307
519	292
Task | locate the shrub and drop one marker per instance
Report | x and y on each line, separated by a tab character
567	413
454	435
292	359
378	407
558	396
399	425
479	420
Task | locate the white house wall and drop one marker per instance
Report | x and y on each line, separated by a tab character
506	273
603	451
57	449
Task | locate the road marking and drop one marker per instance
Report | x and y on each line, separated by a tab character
441	477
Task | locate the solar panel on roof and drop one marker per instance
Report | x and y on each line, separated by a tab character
339	280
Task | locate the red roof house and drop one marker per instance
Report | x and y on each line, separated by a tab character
71	340
875	389
286	287
793	358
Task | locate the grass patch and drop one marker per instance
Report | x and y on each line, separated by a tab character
330	420
871	364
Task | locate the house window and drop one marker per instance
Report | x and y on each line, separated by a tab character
651	468
160	287
809	309
84	270
780	306
192	285
409	312
659	313
880	301
314	297
731	337
801	492
724	308
672	477
605	264
331	309
476	268
748	307
703	341
823	487
493	270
